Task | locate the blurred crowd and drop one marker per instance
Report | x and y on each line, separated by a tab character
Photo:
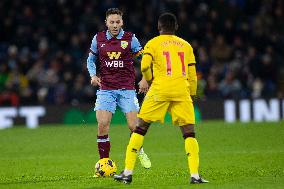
239	46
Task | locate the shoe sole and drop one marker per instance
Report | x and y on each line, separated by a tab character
198	182
123	181
126	182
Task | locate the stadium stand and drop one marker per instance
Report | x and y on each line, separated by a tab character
239	46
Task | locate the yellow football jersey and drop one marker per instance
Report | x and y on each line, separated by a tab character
171	56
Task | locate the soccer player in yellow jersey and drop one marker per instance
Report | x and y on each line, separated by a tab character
169	65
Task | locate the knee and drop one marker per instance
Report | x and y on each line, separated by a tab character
103	121
187	131
103	124
103	118
142	127
103	128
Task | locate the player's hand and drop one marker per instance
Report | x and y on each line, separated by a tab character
143	86
96	81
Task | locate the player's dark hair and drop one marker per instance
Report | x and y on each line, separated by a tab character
168	21
113	11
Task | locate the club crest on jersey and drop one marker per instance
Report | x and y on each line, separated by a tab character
124	44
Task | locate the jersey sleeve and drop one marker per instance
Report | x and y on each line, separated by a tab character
91	66
192	78
136	48
94	48
148	49
135	44
146	62
146	67
191	56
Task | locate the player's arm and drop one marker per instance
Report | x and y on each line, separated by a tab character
137	52
146	67
192	79
146	63
91	60
138	55
136	48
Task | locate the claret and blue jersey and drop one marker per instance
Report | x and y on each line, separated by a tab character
116	56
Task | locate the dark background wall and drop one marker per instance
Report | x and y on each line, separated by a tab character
238	45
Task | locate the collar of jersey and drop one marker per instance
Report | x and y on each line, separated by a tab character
119	36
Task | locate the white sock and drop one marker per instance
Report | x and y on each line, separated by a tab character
195	175
127	172
141	151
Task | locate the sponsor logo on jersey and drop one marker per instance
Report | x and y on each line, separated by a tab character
114	63
113	55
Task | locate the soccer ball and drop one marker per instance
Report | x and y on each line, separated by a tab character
105	168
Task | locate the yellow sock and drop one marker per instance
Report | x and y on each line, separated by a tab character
192	152
134	145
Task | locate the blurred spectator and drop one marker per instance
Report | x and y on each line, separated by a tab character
4	73
257	88
220	51
9	98
230	87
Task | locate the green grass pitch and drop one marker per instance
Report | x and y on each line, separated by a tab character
232	156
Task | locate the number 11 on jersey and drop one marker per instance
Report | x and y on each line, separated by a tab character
169	63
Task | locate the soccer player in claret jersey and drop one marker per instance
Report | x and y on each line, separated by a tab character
116	50
169	64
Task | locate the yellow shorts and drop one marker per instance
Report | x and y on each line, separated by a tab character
182	112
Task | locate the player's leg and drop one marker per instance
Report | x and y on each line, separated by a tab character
103	119
186	121
128	103
142	156
150	111
105	107
192	152
135	143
